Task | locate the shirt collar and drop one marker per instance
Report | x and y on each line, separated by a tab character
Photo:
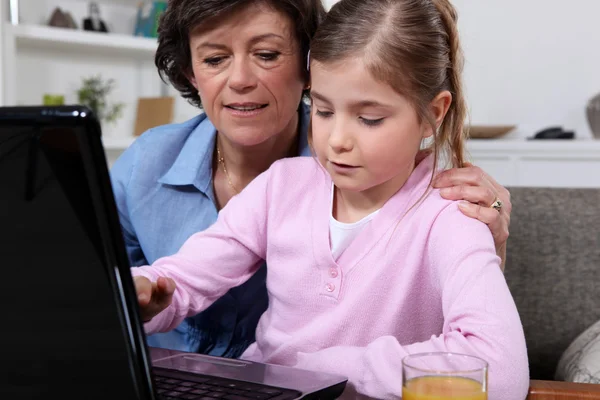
193	165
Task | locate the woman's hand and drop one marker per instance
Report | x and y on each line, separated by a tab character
480	191
153	297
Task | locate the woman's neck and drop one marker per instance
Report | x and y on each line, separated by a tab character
244	163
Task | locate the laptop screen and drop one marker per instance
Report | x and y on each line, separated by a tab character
64	324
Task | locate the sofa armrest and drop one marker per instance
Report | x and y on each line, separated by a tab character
557	390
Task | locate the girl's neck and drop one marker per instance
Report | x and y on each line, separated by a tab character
351	206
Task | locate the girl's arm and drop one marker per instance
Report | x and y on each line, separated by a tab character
480	318
213	261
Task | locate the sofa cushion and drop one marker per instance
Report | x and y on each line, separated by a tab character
553	269
581	361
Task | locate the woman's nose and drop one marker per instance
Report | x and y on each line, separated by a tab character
242	77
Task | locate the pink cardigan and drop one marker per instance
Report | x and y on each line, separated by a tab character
426	281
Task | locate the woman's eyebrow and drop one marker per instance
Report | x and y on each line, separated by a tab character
252	41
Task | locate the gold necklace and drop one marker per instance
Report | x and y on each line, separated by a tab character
221	161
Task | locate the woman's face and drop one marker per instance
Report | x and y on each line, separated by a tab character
247	69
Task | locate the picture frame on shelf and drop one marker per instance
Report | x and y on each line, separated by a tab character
148	16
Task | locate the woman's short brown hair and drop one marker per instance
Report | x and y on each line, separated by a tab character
173	57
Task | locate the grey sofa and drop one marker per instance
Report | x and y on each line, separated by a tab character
553	269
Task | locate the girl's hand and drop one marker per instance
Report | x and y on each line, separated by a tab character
480	191
153	297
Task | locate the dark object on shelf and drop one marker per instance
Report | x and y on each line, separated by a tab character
62	19
94	22
593	115
553	132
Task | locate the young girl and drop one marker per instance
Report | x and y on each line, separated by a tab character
366	263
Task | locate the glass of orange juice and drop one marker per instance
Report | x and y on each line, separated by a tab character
444	376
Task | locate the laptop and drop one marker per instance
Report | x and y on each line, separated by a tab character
70	322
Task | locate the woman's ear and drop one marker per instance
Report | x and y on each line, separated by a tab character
439	108
192	79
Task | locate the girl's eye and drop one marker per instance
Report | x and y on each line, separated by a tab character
324	114
371	122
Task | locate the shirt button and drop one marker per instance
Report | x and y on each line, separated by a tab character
330	287
333	272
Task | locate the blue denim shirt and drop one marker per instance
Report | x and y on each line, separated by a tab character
163	188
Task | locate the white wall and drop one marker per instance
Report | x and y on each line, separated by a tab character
532	63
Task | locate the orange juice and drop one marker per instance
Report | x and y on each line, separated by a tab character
443	388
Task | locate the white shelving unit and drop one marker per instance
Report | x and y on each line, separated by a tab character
76	40
546	163
36	59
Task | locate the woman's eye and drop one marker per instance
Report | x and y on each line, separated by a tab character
213	61
371	122
269	56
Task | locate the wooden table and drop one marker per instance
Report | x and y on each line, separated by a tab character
553	390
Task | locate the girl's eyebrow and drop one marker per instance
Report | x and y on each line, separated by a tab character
356	104
318	96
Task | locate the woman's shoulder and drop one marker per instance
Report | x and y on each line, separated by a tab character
159	150
170	136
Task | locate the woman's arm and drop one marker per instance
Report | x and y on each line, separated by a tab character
212	261
120	175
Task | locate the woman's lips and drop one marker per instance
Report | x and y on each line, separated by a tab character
245	109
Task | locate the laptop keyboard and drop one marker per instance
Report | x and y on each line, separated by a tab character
171	384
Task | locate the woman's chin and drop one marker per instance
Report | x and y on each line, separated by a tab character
249	136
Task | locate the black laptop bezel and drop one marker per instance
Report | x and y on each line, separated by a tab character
115	256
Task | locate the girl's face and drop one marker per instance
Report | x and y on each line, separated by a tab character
364	133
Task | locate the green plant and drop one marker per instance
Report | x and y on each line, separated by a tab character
93	93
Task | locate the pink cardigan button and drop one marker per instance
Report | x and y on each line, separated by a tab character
330	287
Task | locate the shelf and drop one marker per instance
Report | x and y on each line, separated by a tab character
581	147
117	144
71	39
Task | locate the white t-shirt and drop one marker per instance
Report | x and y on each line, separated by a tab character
342	234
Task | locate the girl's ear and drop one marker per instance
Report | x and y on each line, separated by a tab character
439	108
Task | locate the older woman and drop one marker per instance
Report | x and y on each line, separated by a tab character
243	62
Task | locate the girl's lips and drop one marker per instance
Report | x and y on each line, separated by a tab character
342	165
342	168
